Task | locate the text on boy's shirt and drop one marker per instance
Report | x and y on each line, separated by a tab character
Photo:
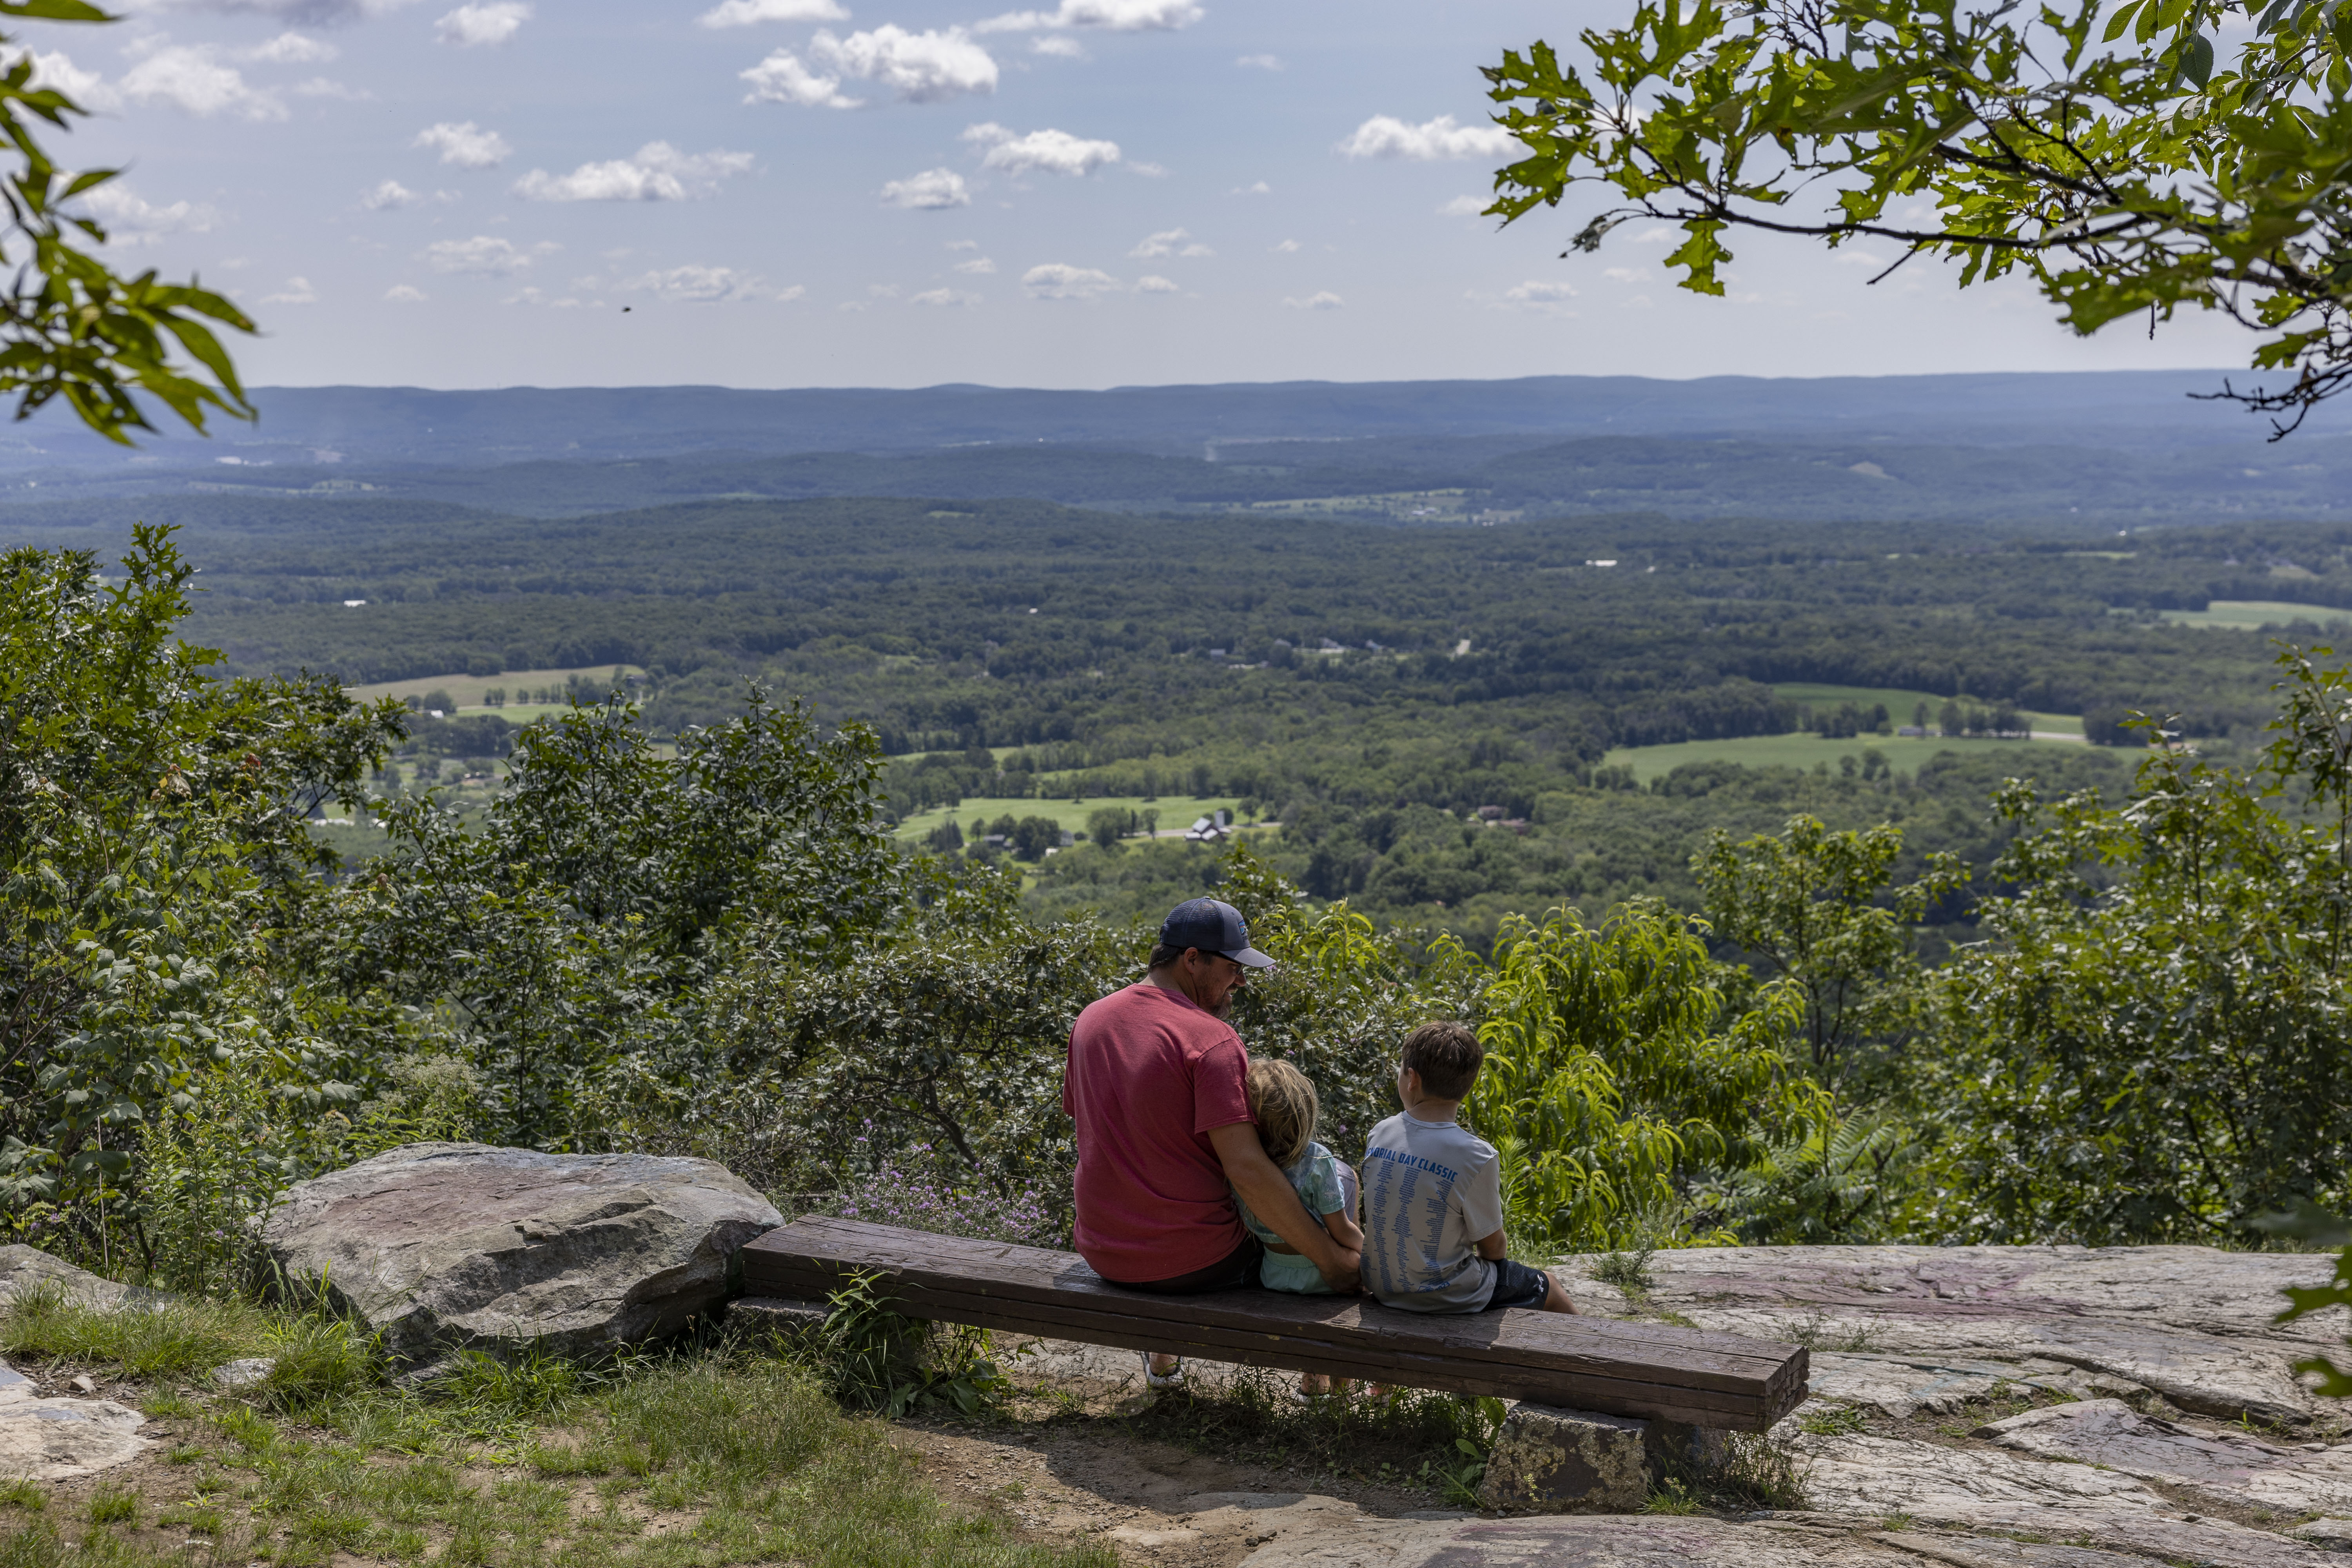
1415	1161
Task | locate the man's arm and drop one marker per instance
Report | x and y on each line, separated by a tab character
1270	1197
1490	1248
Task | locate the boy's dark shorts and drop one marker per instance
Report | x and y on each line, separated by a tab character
1516	1285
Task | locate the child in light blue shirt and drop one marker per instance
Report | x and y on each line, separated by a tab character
1284	1103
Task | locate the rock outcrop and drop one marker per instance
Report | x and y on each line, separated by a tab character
2042	1407
2230	1468
60	1439
1897	1329
445	1246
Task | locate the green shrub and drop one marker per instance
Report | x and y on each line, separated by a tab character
1616	1079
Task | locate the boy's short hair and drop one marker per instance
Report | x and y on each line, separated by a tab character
1446	1055
1283	1100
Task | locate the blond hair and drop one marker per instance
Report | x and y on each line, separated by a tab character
1283	1100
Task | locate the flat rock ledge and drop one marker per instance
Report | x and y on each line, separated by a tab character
62	1439
2169	1426
1899	1329
441	1247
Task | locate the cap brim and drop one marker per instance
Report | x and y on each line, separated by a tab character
1251	958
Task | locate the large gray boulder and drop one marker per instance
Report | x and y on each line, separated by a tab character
445	1245
24	1268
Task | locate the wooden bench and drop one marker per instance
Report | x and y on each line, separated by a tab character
1652	1371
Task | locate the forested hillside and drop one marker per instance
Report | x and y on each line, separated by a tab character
1367	687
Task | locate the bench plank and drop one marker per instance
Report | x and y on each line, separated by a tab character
1417	1362
1650	1370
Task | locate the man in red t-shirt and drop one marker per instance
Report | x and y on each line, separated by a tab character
1164	1133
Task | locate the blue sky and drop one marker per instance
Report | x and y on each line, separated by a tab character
794	192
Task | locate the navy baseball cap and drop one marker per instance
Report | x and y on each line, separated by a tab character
1212	926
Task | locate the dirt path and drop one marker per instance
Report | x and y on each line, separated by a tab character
1074	1456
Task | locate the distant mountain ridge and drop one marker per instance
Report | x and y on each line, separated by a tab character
1433	481
409	426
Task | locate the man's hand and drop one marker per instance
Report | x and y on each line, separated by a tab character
1268	1192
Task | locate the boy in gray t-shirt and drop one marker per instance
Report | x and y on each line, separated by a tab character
1433	1194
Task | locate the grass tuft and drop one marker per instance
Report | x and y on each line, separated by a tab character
1830	1421
1626	1270
184	1339
1671	1495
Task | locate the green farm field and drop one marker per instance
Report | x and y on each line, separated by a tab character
468	689
1801	751
2253	615
1901	703
1176	812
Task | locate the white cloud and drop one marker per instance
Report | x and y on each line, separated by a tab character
321	87
1149	171
471	26
1326	301
1259	189
1055	151
297	292
1627	274
56	72
464	144
1463	206
747	13
485	253
956	244
979	266
1539	296
1170	242
1659	234
929	191
1286	248
290	49
703	286
404	294
1260	62
1060	281
942	296
1110	15
657	172
1859	258
1058	44
131	220
1385	136
919	68
192	79
1156	286
783	79
391	194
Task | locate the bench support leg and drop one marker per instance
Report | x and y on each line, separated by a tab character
1551	1460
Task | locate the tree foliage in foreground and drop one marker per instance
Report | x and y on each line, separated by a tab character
70	327
2152	1045
2130	156
154	859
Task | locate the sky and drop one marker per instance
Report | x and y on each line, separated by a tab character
905	193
